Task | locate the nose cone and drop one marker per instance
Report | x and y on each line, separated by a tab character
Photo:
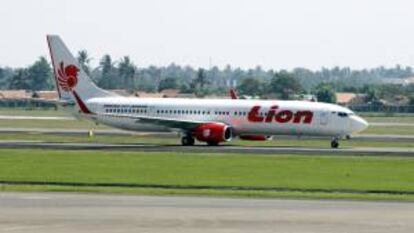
358	124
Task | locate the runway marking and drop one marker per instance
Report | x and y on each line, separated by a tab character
199	187
208	149
58	118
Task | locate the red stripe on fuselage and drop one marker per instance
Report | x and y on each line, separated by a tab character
82	106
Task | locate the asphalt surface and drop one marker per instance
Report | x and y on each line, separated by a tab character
116	132
90	213
206	149
55	118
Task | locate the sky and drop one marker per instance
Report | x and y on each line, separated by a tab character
275	34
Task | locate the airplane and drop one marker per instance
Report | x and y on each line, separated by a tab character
212	121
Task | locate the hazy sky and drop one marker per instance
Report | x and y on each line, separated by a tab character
244	33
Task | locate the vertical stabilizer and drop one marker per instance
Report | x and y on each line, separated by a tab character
72	82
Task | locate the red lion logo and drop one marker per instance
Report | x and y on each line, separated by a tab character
67	76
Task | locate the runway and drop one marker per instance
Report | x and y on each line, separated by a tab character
207	149
90	213
116	132
44	118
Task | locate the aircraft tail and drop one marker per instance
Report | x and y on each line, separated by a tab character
72	83
233	94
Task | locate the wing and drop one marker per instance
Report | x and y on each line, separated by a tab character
167	122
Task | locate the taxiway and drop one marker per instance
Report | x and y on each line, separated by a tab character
89	213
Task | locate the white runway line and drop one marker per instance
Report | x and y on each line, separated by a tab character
55	118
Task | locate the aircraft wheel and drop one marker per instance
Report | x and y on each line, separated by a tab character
212	143
335	143
187	141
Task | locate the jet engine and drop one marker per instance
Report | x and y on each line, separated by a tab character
213	133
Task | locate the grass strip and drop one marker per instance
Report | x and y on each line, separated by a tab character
251	174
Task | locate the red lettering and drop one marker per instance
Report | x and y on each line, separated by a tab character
271	113
284	116
308	115
254	115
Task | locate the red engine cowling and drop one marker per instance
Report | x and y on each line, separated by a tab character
213	133
255	137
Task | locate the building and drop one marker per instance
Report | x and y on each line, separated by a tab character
14	95
45	95
349	98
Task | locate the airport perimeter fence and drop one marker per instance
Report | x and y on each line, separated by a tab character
382	108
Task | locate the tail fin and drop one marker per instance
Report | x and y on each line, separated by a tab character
72	83
233	94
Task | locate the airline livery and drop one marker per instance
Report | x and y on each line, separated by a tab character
207	120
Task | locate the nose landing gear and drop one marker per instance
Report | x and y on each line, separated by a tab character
335	142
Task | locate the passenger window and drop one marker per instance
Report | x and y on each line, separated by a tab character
342	114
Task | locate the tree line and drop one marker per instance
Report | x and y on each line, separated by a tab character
124	74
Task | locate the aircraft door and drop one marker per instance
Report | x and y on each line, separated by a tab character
324	118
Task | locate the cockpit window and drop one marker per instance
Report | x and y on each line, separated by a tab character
342	114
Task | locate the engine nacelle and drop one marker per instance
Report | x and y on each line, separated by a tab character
213	133
255	137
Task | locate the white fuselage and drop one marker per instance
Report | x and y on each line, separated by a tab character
246	117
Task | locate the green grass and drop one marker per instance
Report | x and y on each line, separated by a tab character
386	130
407	119
211	170
50	124
384	114
31	112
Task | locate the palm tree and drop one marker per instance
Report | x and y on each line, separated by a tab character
84	60
127	71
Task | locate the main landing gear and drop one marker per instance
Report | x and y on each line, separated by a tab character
335	142
187	140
